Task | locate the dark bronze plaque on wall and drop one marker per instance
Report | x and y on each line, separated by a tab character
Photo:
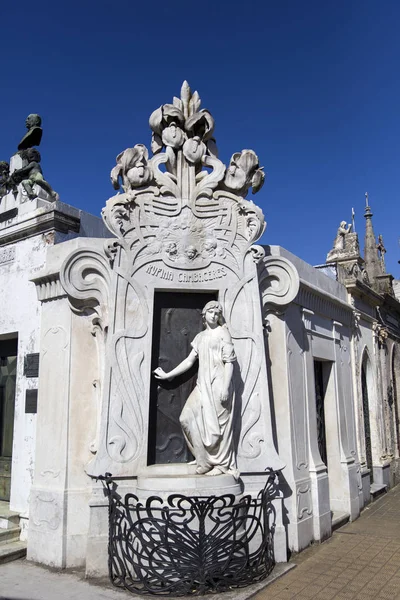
177	321
31	365
31	397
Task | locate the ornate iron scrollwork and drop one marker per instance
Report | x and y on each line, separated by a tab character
189	545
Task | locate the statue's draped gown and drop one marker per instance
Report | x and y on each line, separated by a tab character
206	423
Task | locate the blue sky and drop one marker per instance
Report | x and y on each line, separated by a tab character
313	87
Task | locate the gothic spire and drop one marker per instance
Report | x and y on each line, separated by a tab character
373	264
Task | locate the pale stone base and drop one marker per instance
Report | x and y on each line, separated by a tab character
382	474
162	480
321	506
366	486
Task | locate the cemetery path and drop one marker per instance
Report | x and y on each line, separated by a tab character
360	561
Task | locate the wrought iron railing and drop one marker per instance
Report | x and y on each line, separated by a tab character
189	545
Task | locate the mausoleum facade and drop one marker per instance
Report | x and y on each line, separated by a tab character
298	367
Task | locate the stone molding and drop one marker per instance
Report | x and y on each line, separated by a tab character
40	223
48	287
323	303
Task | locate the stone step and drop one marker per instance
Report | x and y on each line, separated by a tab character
339	519
8	518
12	551
10	535
377	489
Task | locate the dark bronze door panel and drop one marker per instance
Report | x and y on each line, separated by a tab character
177	320
8	369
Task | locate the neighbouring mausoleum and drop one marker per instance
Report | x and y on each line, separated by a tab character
167	348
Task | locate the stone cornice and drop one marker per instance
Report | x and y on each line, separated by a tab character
48	287
393	303
321	302
37	224
365	292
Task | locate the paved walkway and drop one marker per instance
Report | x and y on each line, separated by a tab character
360	561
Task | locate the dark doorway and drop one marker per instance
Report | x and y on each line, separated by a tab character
8	371
367	424
320	391
177	321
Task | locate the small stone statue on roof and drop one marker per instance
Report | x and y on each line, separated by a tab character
339	243
345	244
381	249
32	174
33	137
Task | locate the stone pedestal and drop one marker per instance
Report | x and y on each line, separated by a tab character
163	480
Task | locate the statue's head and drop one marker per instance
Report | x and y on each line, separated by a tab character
171	248
4	168
33	155
212	306
33	120
191	252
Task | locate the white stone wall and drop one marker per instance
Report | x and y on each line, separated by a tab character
25	239
67	417
316	326
20	314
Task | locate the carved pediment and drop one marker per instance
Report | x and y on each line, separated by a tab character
183	206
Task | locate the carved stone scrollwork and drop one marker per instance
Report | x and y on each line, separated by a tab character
183	206
86	277
181	221
278	281
380	333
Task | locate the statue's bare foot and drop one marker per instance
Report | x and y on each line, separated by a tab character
214	471
202	470
192	462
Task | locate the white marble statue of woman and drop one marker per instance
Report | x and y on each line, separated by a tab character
207	417
340	240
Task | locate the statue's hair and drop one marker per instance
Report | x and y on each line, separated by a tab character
214	304
34	154
38	119
4	166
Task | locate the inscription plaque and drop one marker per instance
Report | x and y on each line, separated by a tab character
7	255
31	397
31	365
8	215
177	321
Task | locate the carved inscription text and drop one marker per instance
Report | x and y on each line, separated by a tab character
186	277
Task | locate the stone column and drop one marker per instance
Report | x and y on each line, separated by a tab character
346	495
285	357
357	400
66	426
48	500
318	470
